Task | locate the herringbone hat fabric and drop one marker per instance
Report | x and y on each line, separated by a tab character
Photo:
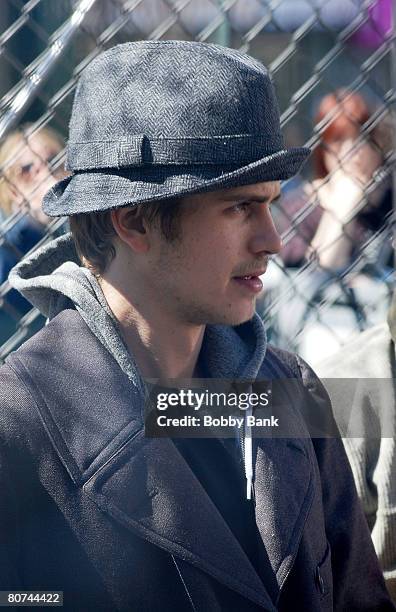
158	119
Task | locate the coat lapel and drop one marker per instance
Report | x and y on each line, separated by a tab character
284	491
150	489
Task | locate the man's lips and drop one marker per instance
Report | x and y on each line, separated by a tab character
252	282
258	272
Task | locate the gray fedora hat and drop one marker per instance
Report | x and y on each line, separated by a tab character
157	119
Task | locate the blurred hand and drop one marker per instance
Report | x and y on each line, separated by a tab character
358	161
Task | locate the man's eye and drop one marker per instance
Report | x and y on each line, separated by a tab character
241	207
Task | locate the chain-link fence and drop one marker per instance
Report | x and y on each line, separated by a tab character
332	62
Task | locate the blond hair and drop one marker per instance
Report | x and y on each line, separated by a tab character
10	149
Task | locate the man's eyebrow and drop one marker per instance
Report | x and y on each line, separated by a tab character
252	198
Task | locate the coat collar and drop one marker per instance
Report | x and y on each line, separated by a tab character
96	428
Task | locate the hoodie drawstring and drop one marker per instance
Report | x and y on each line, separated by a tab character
248	453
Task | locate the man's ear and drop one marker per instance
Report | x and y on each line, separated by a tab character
131	228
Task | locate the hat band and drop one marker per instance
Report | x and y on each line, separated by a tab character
140	149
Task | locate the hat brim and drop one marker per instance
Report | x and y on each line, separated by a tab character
104	189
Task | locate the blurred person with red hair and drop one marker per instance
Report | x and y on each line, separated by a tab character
344	163
326	223
347	113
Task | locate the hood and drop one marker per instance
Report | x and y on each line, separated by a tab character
52	279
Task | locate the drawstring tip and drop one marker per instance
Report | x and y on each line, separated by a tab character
249	488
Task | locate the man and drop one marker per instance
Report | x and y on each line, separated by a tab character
177	154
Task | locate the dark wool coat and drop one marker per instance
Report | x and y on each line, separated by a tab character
118	521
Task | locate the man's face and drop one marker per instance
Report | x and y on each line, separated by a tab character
211	274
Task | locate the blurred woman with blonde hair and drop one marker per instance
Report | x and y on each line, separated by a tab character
30	164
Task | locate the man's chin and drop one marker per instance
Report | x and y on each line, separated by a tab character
237	318
231	314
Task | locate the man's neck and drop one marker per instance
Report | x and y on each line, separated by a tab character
162	347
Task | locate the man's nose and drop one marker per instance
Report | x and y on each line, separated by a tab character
266	237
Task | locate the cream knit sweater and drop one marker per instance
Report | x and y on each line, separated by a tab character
365	411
